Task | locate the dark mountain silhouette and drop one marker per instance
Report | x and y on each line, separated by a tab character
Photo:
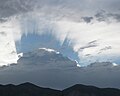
82	90
29	89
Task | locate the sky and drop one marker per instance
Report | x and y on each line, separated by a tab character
83	30
86	31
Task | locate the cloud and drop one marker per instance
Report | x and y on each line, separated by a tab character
96	74
8	53
3	33
89	45
61	17
115	16
13	7
87	37
82	35
71	9
106	48
107	16
87	19
100	16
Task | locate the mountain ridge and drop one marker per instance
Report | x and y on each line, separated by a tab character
29	89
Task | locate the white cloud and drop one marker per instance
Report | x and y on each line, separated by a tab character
82	33
8	34
63	17
79	33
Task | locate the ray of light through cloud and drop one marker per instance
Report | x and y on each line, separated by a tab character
92	31
80	36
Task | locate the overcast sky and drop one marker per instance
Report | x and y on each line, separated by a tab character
85	30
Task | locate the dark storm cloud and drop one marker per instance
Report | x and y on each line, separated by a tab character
101	16
13	7
69	9
99	74
87	19
115	16
106	16
2	20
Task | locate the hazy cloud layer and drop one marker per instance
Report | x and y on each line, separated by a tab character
97	74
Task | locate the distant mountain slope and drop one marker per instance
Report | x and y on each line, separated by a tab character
82	90
29	89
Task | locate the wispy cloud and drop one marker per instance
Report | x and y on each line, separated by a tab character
89	45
